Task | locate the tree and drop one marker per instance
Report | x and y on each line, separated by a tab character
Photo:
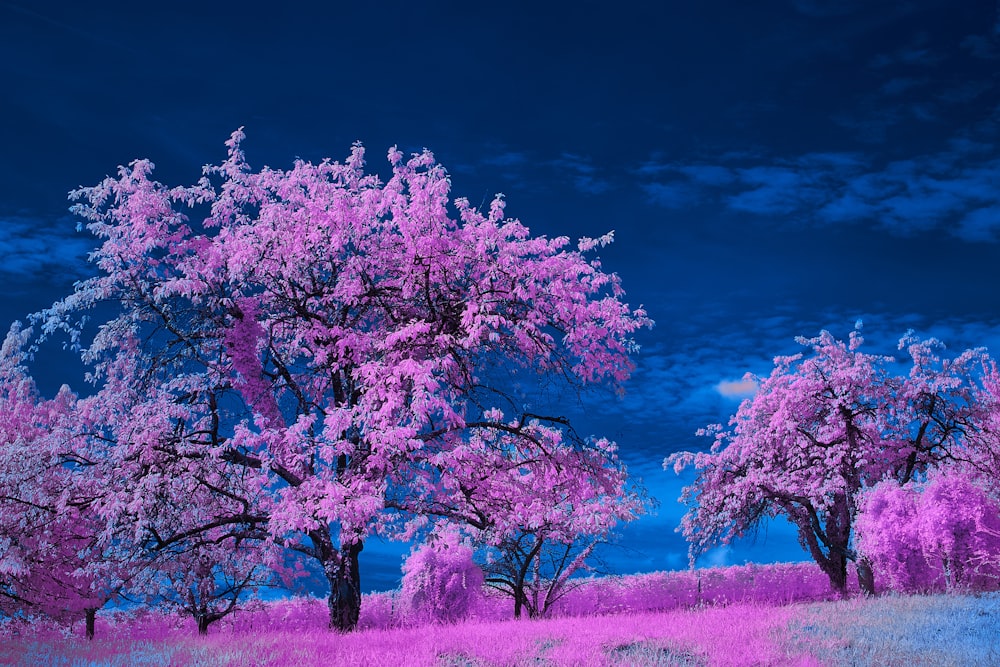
208	580
441	581
941	533
821	429
535	570
332	342
797	448
52	557
535	498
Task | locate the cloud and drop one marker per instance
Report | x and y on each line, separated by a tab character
675	195
901	84
525	167
953	189
982	47
506	159
965	92
39	251
737	389
717	557
709	174
581	172
913	56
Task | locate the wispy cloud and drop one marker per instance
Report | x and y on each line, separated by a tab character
982	47
581	172
901	84
910	55
523	168
953	189
506	159
31	250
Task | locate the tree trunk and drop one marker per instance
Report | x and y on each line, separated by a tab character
91	618
203	622
344	576
866	577
828	540
835	567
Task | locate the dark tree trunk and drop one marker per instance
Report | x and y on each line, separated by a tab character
203	622
828	544
835	567
866	577
343	574
518	602
91	618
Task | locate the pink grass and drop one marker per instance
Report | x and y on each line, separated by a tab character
735	635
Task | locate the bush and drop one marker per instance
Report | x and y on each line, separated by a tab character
441	582
940	535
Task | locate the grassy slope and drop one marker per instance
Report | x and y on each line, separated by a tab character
931	630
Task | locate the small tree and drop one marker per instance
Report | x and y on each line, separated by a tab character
208	580
535	498
820	430
535	569
943	533
441	581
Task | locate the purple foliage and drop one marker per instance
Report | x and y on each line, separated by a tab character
441	582
942	534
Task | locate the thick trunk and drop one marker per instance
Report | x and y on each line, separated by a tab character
344	576
91	618
828	544
835	567
866	577
203	623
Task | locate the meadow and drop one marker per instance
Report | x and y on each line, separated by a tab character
748	615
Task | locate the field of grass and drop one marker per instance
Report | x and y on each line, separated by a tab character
892	630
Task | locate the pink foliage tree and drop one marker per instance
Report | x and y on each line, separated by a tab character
328	356
535	499
441	580
208	580
53	560
940	534
536	569
820	430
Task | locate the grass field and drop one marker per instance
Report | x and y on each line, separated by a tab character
892	630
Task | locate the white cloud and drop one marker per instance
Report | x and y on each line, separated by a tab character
737	389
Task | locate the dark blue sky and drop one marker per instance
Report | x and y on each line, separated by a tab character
771	168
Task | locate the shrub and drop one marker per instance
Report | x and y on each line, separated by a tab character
441	582
942	534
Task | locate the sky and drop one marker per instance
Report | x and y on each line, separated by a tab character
770	168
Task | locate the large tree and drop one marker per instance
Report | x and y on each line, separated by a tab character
323	348
821	428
